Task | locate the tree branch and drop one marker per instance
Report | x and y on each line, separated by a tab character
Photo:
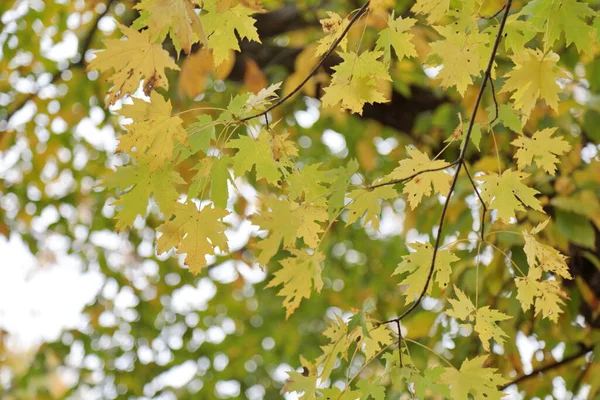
460	162
549	367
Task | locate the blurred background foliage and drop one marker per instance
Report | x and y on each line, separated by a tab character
152	329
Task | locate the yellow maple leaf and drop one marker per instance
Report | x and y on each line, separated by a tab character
547	295
546	257
366	202
153	132
507	194
472	380
425	183
195	233
299	276
418	263
434	9
175	17
542	149
136	59
533	77
378	338
461	55
221	23
462	307
355	81
333	26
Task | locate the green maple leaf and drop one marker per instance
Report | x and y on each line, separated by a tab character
221	27
554	17
366	202
517	33
255	153
473	379
507	194
211	180
354	82
143	182
541	148
430	381
308	184
378	338
340	179
418	263
299	276
398	37
434	9
370	390
194	232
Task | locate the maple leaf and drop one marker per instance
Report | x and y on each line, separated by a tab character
299	276
195	233
396	36
507	194
297	382
461	55
545	257
175	17
378	338
340	180
333	27
212	172
286	221
418	263
423	184
221	25
435	9
430	381
547	294
486	326
541	148
366	202
143	182
136	59
462	308
255	153
339	340
533	77
283	149
264	98
562	16
370	390
308	183
337	394
354	82
153	132
473	379
518	33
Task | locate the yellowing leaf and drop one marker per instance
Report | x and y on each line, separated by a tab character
175	17
545	257
255	153
473	379
421	185
418	264
254	79
153	132
299	276
333	27
195	233
378	339
461	308
264	98
486	326
143	182
461	56
354	82
533	77
434	9
547	294
308	184
558	16
507	194
397	35
135	59
541	148
283	149
366	202
221	25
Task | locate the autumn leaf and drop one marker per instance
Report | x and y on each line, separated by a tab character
434	9
418	264
425	183
541	148
222	24
154	132
398	37
299	276
257	154
546	257
194	232
507	194
473	379
333	26
175	17
534	77
545	294
136	59
366	202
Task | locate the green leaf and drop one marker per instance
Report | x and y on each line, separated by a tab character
576	228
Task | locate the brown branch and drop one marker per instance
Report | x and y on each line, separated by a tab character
460	161
549	367
355	18
482	229
84	47
408	178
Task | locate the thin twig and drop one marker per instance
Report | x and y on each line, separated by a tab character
549	367
495	14
285	98
460	161
480	200
400	343
408	178
494	97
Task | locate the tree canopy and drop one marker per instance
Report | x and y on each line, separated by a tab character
380	199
